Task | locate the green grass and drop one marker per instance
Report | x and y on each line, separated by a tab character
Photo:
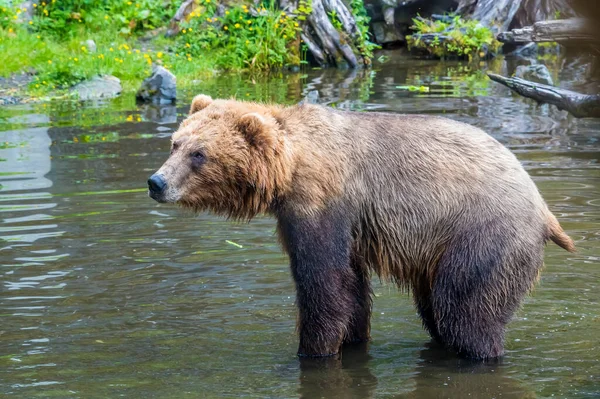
52	45
59	64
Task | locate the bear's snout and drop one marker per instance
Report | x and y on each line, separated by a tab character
156	186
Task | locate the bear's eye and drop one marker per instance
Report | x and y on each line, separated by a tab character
197	155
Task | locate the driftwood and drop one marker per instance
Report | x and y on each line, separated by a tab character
331	43
577	104
564	31
505	13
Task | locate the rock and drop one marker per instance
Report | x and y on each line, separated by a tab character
535	73
28	11
91	45
9	100
160	88
106	86
386	34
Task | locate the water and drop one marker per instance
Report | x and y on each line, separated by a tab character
105	293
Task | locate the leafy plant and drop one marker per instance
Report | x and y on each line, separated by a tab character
453	36
364	45
264	39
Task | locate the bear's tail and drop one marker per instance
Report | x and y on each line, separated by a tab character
557	234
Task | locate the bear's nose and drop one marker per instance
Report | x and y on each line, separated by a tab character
156	183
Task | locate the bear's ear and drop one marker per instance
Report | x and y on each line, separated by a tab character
257	130
200	102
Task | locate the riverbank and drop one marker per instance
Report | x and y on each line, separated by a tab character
37	66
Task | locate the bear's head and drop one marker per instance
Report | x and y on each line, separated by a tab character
228	157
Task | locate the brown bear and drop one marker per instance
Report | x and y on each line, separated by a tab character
434	205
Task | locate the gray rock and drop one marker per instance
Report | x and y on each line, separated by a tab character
9	100
535	73
91	45
160	88
385	33
29	11
106	86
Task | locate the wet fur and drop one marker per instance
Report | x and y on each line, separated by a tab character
432	204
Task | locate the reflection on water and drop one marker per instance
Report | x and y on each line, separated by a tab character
104	293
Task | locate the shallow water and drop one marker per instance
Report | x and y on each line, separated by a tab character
105	293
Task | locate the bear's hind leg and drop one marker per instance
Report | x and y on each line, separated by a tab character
423	303
477	290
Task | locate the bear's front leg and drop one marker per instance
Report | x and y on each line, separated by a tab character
319	250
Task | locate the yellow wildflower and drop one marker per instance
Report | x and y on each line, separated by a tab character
189	58
129	118
159	54
137	51
10	30
106	17
75	59
34	5
38	36
129	3
83	48
276	26
190	29
296	24
110	49
250	29
208	20
226	12
184	31
187	45
247	41
285	36
249	22
30	22
225	27
49	61
207	1
129	52
237	26
126	47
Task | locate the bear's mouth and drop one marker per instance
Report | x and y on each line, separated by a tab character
157	197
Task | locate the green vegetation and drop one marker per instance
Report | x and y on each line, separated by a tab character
453	37
238	39
365	46
361	42
53	44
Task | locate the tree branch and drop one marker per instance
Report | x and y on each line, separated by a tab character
579	105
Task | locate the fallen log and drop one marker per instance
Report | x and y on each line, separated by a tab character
577	104
564	31
331	42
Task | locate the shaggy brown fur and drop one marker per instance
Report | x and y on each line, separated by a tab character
432	204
